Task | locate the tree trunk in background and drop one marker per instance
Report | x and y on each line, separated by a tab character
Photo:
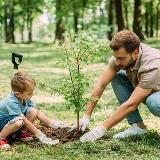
146	20
126	3
30	31
9	21
119	14
22	28
5	23
151	19
110	19
75	16
137	27
29	21
83	11
59	31
158	16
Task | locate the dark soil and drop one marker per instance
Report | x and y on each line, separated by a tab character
64	135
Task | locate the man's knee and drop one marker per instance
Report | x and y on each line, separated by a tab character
120	76
153	104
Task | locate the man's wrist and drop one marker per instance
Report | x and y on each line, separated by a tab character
104	126
88	115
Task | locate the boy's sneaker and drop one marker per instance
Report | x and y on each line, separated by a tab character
4	144
24	136
134	130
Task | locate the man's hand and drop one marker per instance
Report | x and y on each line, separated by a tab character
83	123
94	134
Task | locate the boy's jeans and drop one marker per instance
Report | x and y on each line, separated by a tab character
123	89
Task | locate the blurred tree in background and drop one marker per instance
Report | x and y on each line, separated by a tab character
52	20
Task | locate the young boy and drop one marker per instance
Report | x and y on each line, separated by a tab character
18	111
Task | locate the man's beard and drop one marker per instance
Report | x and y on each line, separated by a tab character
131	64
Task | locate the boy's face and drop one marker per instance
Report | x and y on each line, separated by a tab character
26	95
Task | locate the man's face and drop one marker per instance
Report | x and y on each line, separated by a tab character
125	59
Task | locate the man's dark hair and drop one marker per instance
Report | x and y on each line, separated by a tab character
125	39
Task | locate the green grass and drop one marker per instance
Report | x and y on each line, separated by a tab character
40	60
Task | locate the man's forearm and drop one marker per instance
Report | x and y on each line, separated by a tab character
96	94
119	115
102	82
138	96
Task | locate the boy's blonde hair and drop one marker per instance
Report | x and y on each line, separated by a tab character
21	82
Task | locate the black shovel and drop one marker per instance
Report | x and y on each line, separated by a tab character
16	60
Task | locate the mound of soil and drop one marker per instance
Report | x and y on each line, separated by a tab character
64	135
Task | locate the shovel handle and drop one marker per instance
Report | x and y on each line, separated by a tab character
16	59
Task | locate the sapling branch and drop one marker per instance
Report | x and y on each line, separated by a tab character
73	87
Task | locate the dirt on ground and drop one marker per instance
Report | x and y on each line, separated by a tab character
64	135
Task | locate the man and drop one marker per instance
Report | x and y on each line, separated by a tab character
134	72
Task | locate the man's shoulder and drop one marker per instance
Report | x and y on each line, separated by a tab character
150	56
148	51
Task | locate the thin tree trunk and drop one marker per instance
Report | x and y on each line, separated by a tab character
151	19
75	16
30	31
119	14
126	3
22	28
158	16
59	31
6	23
29	28
110	19
83	11
29	20
9	21
146	20
137	27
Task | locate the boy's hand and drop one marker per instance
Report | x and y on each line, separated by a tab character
44	139
83	123
94	134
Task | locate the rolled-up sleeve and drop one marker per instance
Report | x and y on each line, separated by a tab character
150	79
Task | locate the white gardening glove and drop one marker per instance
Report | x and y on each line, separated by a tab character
56	125
83	123
44	139
94	134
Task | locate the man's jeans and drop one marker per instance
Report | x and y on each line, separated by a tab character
123	89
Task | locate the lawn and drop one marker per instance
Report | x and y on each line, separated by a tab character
41	61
